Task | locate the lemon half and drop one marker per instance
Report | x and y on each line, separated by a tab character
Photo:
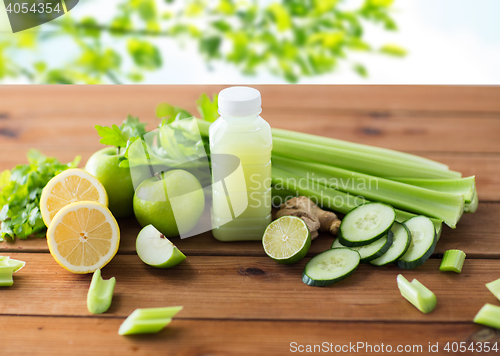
83	237
67	187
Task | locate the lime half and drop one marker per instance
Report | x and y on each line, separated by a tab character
287	239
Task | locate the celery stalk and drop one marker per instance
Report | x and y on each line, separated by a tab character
446	206
6	276
100	293
494	288
148	321
453	260
489	315
287	185
464	186
417	294
356	147
372	164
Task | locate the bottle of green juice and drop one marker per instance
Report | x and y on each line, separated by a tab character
241	207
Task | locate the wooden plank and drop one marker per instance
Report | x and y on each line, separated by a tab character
98	336
32	99
255	288
399	131
477	234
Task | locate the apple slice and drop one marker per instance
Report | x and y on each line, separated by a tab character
156	250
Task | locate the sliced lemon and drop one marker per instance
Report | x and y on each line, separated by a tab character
83	237
68	187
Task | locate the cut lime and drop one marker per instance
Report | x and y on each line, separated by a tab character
287	239
156	250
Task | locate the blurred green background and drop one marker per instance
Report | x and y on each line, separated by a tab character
129	41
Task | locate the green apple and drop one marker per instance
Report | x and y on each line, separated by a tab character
172	202
117	181
156	250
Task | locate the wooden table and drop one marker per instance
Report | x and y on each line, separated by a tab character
237	300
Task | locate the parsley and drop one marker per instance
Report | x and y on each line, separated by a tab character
20	191
119	137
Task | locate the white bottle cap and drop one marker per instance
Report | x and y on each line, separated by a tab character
239	102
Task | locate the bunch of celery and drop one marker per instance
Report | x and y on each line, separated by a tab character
340	175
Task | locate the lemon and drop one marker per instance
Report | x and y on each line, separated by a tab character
68	187
287	240
83	237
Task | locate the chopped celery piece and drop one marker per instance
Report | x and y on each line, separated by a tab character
331	199
7	261
489	315
464	186
417	294
6	276
446	206
100	293
367	163
453	260
148	321
494	288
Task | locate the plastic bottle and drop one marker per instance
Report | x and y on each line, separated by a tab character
241	132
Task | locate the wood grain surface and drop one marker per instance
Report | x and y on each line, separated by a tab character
236	300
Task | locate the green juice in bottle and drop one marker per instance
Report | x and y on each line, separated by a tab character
241	207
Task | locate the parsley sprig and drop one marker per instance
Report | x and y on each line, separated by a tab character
20	191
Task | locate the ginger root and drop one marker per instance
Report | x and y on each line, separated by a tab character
314	217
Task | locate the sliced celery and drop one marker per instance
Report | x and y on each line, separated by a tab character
100	293
16	264
446	206
6	276
489	315
287	185
464	186
372	164
453	260
148	321
494	288
417	294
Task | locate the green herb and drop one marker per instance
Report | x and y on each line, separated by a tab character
119	137
207	108
20	191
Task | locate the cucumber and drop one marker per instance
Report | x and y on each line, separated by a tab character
365	224
401	243
424	239
330	266
373	250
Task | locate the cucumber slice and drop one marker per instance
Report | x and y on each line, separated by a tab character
400	244
373	250
423	242
330	266
365	224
